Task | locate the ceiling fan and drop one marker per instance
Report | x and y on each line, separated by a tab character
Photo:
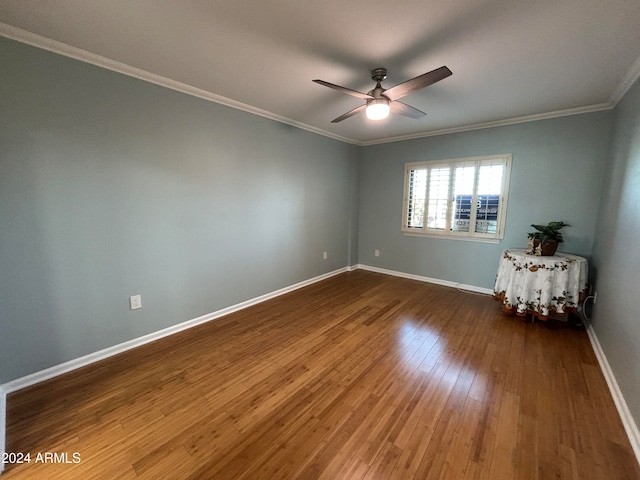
380	101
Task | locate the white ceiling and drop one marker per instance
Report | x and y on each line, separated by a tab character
510	58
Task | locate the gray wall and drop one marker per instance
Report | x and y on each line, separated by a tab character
111	187
616	318
556	174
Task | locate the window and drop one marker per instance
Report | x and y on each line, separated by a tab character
464	198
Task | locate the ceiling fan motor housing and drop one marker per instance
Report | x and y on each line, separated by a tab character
378	102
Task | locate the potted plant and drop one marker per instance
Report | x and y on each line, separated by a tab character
544	241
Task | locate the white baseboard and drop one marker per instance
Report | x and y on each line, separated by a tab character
74	364
65	367
437	281
623	410
621	405
627	419
3	425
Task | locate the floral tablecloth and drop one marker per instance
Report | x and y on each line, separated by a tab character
529	284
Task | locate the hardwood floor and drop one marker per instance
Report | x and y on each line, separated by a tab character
362	376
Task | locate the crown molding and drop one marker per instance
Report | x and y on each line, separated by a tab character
497	123
629	79
60	48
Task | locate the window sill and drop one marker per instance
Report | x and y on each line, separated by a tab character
453	237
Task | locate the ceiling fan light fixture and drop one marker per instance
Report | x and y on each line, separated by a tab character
378	101
377	109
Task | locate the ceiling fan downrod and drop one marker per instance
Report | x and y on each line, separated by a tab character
382	100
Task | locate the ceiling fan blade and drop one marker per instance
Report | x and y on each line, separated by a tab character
406	110
421	81
350	113
348	91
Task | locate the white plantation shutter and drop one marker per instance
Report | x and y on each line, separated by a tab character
438	197
416	197
490	179
463	198
463	190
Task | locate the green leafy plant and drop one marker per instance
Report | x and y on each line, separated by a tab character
549	232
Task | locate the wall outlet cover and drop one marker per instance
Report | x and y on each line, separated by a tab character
135	302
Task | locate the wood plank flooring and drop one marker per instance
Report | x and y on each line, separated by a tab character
362	376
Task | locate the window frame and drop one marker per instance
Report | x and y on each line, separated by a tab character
447	232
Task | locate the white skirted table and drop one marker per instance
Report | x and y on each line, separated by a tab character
530	284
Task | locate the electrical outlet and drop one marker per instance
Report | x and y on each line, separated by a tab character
135	302
325	255
376	252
